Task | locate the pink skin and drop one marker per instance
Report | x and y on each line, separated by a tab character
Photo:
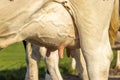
60	51
70	52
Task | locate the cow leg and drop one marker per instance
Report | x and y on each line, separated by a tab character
93	28
73	64
98	55
52	64
33	58
118	60
81	65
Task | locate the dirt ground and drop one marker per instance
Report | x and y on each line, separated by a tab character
73	77
113	75
77	78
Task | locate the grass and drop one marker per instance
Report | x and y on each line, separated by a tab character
13	64
12	57
113	63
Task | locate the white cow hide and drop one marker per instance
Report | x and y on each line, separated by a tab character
31	20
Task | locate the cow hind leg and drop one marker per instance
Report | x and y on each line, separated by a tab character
94	38
118	60
81	65
98	56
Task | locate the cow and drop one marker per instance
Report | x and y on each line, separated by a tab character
17	23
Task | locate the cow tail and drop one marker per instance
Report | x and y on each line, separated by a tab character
114	23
